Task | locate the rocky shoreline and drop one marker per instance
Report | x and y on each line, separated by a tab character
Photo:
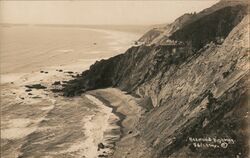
38	92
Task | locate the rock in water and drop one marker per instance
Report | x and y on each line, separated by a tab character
101	146
56	83
36	86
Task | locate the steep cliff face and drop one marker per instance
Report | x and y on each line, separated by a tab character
198	87
202	91
128	71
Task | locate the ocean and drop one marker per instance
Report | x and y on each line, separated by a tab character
30	48
39	123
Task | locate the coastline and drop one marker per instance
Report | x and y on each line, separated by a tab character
101	131
126	107
180	90
120	115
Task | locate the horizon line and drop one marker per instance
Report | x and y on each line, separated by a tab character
71	25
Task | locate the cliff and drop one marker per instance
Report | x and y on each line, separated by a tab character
197	85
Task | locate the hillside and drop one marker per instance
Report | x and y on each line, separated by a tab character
160	35
197	85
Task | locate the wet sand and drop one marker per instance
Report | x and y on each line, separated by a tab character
130	110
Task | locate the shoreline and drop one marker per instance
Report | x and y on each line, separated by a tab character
123	105
101	143
121	116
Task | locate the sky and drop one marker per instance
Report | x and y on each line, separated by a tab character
142	12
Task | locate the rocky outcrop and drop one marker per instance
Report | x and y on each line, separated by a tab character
197	85
35	86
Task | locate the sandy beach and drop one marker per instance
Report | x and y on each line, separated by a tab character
39	123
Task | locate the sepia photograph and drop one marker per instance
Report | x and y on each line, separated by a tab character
124	78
